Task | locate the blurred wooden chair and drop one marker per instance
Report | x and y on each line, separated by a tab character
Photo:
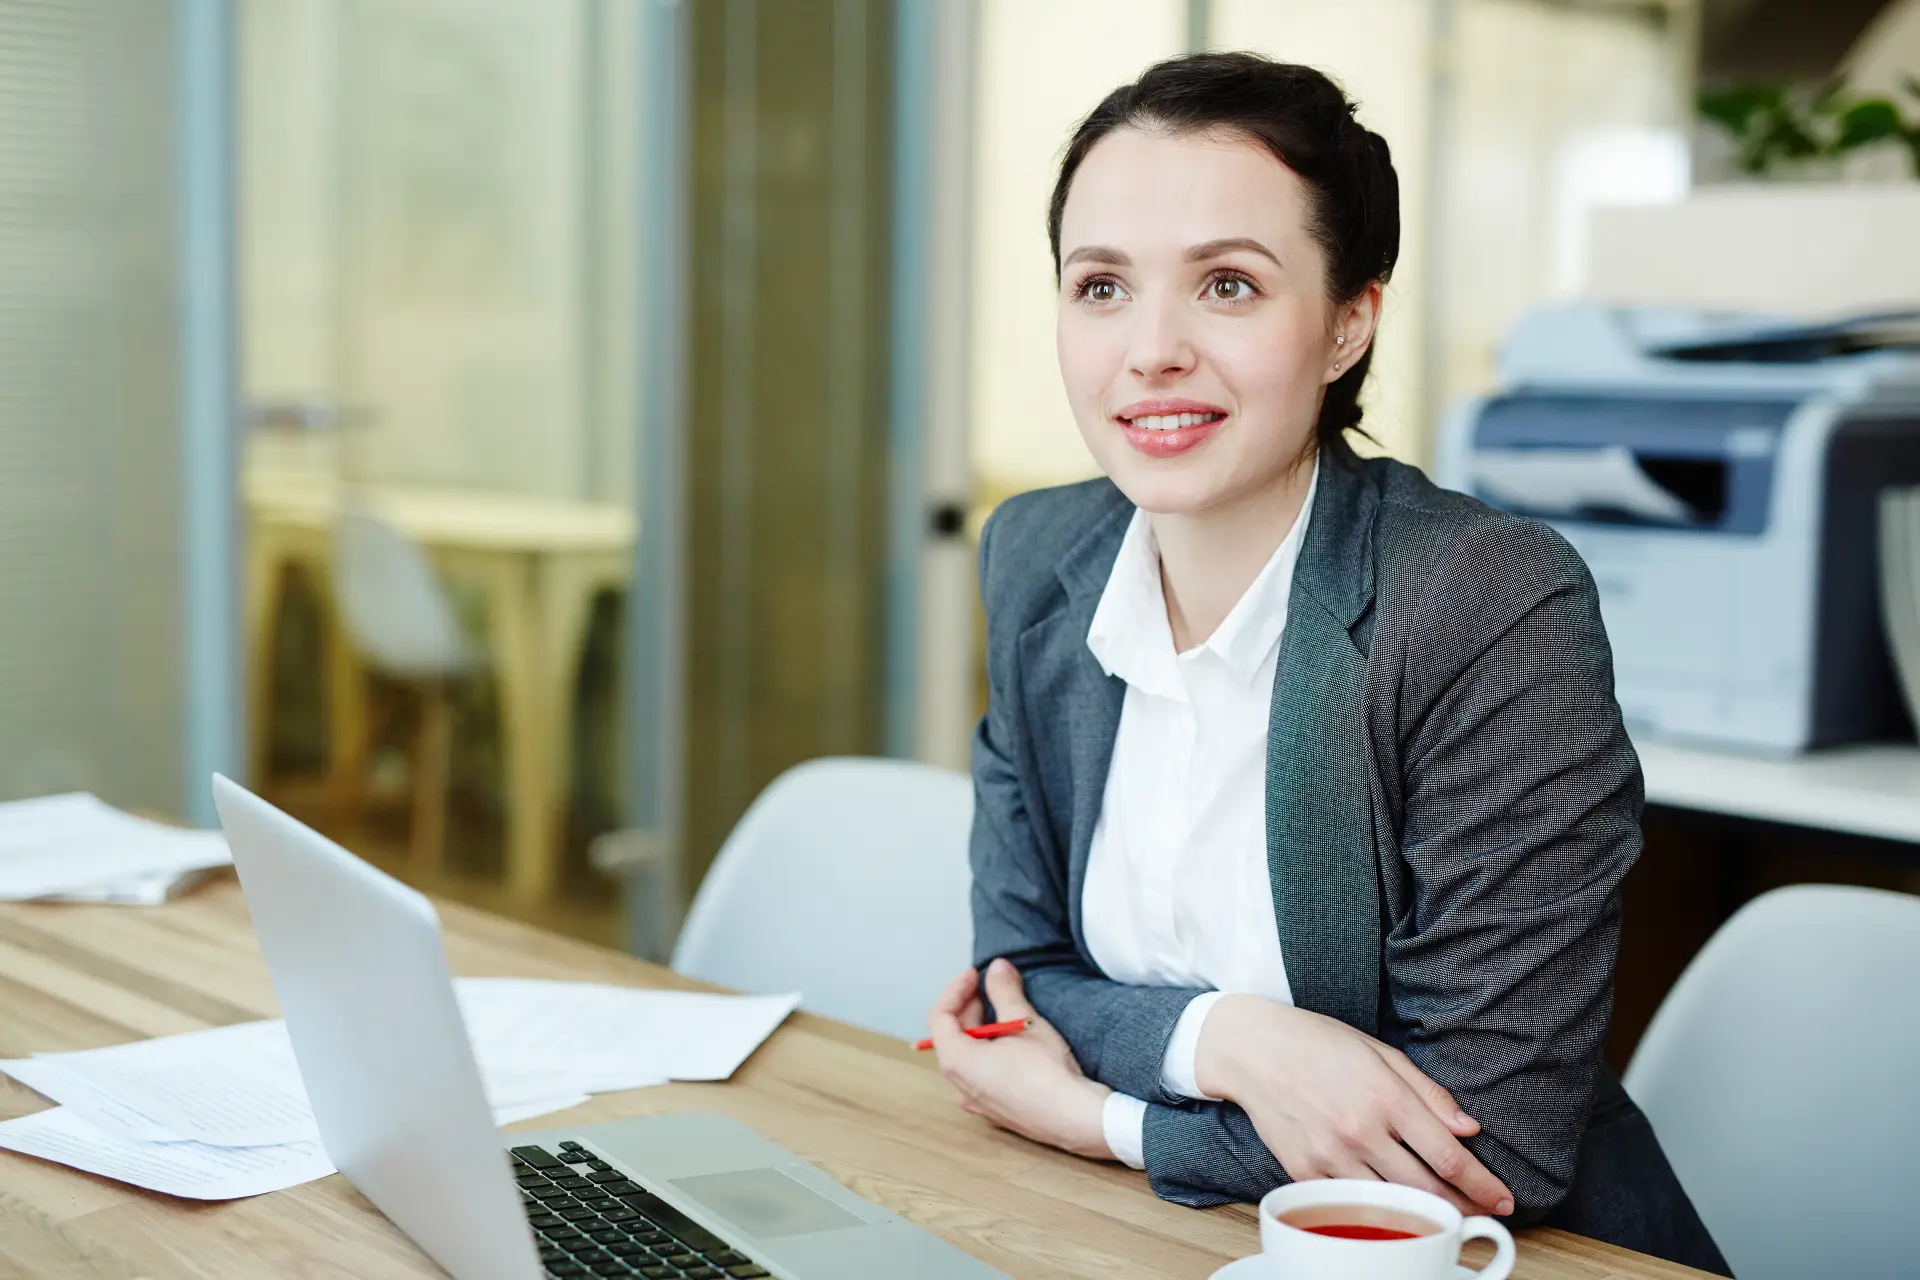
398	615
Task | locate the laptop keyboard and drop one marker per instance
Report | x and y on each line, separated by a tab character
591	1220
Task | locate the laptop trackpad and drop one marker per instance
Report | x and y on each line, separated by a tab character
766	1203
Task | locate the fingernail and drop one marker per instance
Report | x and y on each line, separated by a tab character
1001	963
1504	1208
1462	1118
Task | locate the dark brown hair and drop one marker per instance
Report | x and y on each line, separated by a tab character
1307	122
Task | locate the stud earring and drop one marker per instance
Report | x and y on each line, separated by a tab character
1340	338
1336	366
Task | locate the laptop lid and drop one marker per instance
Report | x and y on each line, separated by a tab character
361	974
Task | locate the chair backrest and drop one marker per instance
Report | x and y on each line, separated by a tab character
847	881
391	603
1782	1075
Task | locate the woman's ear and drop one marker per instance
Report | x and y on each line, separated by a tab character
1352	336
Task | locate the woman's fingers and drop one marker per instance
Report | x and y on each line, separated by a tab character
1394	1163
1006	992
1345	1164
962	989
1437	1099
1436	1145
947	1017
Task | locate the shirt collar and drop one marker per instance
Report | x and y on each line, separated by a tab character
1130	636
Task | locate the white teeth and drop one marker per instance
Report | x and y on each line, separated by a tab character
1173	421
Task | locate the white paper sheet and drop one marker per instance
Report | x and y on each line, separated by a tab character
240	1086
78	843
616	1037
222	1113
104	1111
87	1100
191	1169
236	1086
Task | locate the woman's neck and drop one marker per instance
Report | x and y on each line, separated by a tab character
1208	560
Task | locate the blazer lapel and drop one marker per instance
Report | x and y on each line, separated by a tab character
1320	839
1065	682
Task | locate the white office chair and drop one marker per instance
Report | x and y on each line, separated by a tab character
1780	1075
847	880
396	613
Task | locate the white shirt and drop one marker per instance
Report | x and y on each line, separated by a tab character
1177	891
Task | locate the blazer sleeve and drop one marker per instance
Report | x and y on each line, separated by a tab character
1206	1154
1522	801
1118	1032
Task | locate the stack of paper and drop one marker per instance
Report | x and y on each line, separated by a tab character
222	1113
76	847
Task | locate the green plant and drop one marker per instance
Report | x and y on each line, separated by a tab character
1777	124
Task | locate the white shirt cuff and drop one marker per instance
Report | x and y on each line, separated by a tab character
1180	1070
1123	1122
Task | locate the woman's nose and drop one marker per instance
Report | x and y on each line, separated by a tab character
1160	346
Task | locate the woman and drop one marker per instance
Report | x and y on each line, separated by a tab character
1303	799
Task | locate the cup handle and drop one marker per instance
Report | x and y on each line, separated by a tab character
1487	1229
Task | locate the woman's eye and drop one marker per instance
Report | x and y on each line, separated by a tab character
1229	289
1100	291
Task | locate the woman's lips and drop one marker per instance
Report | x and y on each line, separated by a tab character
1160	441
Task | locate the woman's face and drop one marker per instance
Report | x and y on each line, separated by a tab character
1194	329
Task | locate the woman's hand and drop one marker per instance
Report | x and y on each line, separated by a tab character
1332	1102
1028	1083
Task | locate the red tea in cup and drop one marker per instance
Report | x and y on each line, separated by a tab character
1359	1222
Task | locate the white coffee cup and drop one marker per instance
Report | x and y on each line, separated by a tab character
1293	1253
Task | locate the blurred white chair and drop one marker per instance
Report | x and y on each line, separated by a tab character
396	613
847	880
1780	1076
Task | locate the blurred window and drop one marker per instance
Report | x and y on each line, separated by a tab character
92	671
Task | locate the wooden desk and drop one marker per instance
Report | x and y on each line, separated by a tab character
865	1108
539	562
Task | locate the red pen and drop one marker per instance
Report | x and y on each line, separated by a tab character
992	1031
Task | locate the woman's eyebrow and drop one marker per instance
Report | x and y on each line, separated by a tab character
1219	248
1097	253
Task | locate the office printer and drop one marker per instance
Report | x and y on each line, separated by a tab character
1720	476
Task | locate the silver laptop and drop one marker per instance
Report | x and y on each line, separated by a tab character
361	974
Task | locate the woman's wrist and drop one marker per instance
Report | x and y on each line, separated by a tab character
1084	1116
1231	1029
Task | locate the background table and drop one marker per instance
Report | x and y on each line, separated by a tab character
865	1108
539	562
1872	789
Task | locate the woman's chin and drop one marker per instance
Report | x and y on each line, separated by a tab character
1161	490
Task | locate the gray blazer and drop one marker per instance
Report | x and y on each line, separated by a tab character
1451	804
